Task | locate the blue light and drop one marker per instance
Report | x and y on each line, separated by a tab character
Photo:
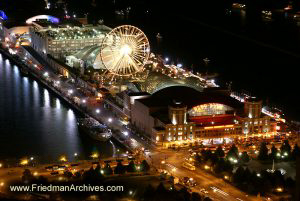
52	19
2	15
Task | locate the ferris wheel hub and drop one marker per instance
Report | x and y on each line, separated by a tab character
126	49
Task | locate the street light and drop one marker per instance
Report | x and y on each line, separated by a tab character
24	162
83	101
35	173
75	154
97	111
258	174
101	171
206	167
109	120
46	74
179	65
31	158
63	159
94	155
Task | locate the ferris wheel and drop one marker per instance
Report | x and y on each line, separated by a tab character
125	50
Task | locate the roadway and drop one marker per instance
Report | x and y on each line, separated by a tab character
216	187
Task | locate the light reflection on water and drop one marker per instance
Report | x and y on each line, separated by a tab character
35	122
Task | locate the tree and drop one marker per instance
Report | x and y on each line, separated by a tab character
285	148
161	189
238	175
171	179
245	157
233	152
198	159
89	175
107	169
120	168
207	199
247	175
220	152
206	154
68	174
295	152
77	175
145	167
219	166
185	194
27	176
196	197
149	193
273	154
41	180
131	167
228	167
263	152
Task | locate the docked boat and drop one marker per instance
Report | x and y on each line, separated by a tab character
94	129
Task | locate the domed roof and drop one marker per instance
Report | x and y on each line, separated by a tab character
89	55
157	81
192	97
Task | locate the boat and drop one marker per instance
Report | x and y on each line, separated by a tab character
94	129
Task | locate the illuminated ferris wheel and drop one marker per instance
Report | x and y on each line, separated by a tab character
125	50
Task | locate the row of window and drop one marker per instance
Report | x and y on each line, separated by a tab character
180	128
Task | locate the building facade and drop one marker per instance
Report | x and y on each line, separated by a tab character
205	117
61	41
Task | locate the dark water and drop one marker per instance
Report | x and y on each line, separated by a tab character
34	122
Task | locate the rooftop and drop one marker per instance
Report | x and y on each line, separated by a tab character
189	97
